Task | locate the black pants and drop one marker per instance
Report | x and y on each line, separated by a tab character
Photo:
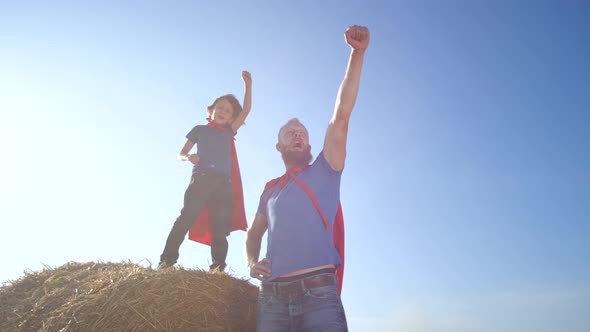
207	189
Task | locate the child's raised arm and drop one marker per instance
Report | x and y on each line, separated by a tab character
239	120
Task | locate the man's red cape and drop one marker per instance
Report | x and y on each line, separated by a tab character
337	231
201	231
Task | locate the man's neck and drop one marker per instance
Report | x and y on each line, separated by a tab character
291	166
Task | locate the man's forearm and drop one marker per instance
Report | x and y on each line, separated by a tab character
350	85
253	245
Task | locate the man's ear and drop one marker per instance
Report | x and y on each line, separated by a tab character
278	146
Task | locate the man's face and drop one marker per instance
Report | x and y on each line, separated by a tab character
294	137
223	112
294	144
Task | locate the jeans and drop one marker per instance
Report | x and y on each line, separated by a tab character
305	309
207	189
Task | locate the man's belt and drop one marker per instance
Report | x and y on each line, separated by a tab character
320	280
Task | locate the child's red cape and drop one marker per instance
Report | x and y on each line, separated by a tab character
201	231
338	228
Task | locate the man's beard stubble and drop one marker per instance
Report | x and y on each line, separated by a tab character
297	158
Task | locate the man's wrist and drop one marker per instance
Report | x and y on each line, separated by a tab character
360	51
251	264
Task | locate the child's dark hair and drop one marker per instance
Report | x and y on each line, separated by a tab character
237	108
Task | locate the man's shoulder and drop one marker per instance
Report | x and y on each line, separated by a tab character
270	183
321	166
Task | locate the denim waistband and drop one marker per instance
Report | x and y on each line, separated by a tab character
305	275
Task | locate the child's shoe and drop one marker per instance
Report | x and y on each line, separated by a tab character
216	267
164	265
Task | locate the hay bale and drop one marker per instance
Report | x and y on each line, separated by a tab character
126	297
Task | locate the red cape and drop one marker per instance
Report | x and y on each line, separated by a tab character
337	233
201	231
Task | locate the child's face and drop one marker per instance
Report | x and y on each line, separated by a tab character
223	113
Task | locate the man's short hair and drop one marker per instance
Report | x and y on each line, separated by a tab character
293	120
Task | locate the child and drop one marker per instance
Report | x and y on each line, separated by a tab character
213	201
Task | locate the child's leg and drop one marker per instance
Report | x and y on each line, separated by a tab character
221	214
195	198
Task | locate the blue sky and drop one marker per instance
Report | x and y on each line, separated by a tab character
466	187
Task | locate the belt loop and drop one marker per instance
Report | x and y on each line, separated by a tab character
275	288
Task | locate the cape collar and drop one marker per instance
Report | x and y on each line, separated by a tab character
225	129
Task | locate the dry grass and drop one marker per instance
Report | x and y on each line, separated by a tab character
126	297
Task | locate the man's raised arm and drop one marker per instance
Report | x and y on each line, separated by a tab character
335	142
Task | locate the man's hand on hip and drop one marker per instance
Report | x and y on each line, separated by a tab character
259	270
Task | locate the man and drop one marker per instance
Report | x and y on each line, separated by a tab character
299	289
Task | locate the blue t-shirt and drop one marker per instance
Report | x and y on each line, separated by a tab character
213	148
297	236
